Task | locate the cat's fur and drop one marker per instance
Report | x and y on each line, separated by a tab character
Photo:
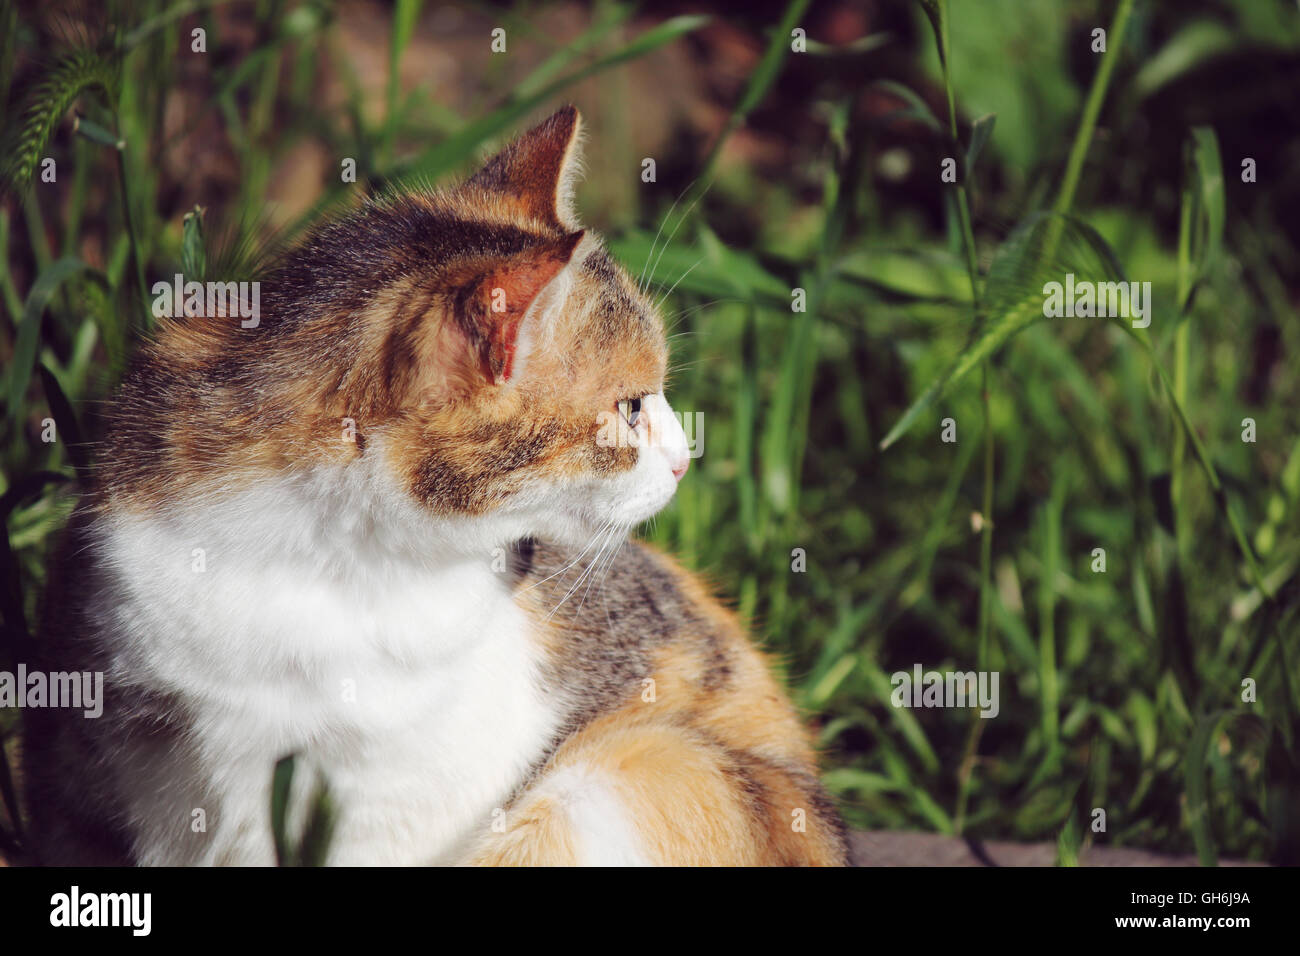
380	530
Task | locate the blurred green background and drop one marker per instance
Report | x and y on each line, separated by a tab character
800	146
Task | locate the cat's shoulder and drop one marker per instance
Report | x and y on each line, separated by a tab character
628	588
614	620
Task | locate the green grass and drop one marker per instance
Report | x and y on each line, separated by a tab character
1121	690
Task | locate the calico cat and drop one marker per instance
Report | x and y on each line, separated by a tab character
386	529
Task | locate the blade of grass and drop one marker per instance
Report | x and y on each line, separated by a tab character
65	420
760	81
1200	235
29	331
1013	296
10	795
1091	110
77	72
1047	666
460	146
405	13
1203	738
607	20
1203	458
937	11
281	781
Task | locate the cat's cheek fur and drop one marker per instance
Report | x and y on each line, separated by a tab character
578	510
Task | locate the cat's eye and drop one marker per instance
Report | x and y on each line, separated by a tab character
630	409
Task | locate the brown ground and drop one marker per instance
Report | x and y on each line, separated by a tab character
883	848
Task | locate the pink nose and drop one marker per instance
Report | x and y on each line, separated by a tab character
679	470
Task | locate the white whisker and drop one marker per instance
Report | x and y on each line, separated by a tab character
651	253
681	219
671	288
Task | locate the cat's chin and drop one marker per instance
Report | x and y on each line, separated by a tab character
577	517
579	529
569	529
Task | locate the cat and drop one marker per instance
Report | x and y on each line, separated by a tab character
386	529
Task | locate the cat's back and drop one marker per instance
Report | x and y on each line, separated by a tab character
614	617
662	683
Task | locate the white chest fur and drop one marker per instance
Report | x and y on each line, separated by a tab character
297	616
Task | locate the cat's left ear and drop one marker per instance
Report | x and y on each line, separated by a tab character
539	169
505	309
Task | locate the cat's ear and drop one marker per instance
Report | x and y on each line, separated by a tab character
539	169
507	306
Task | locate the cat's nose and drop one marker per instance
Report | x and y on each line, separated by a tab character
679	469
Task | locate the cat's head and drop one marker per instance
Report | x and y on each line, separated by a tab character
474	345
